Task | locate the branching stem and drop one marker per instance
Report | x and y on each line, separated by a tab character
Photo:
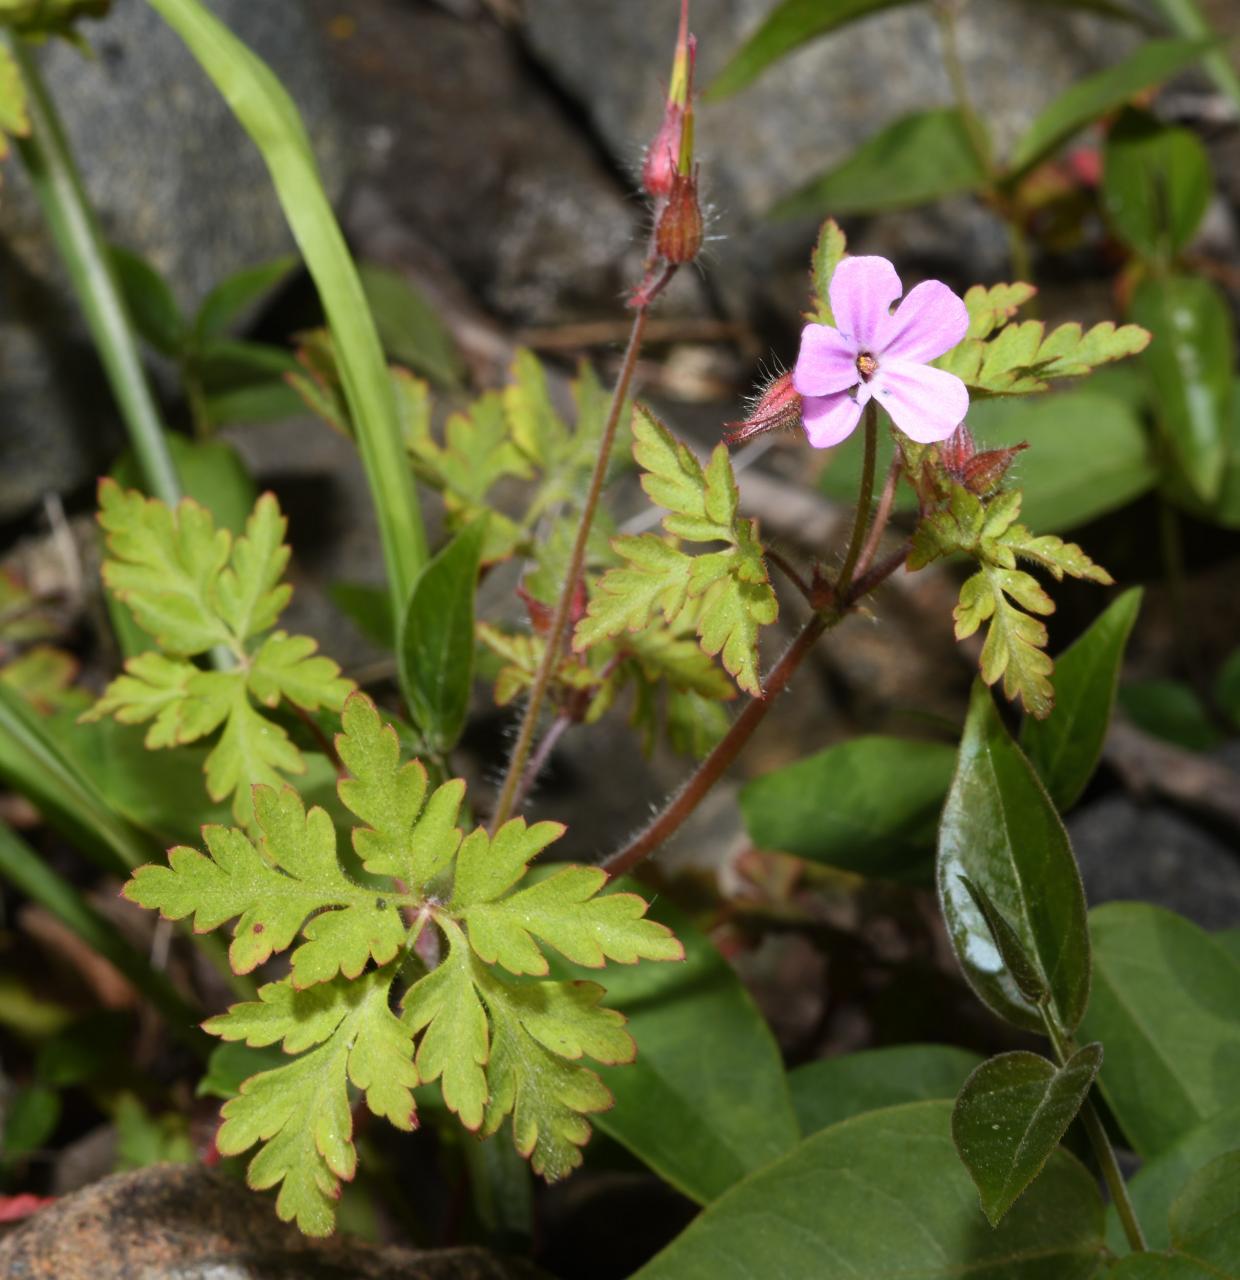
559	622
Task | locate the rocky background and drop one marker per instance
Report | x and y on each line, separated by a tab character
486	149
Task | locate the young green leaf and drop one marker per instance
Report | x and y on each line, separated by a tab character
828	254
152	306
410	328
1011	1115
301	1112
293	873
435	647
224	306
730	590
1065	747
1024	972
1001	831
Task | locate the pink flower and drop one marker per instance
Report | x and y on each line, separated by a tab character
878	354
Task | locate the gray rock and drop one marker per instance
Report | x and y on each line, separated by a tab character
185	1222
173	176
1127	851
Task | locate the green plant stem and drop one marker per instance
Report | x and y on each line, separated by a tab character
58	186
559	621
669	820
864	500
1103	1151
945	12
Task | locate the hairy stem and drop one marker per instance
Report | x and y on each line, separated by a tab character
540	755
669	820
864	499
881	516
559	621
789	571
71	219
1103	1151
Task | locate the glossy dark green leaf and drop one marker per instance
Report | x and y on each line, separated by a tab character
834	1089
789	25
228	302
410	328
1001	830
1157	1183
1089	453
1166	1003
1205	1218
1224	507
1066	746
885	1197
436	649
869	805
1172	710
1156	184
31	1115
707	1100
1011	1115
1094	96
1190	366
149	301
916	159
1016	960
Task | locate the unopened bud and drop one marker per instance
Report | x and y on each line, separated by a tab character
980	473
663	155
671	149
678	236
778	408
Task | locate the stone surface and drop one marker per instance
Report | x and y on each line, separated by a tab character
1152	854
185	1222
173	176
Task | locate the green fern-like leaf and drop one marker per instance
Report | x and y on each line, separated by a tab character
728	591
194	589
497	1045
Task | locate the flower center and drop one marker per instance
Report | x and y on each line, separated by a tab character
867	366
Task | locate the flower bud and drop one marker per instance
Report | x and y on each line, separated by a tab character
778	408
663	155
980	473
678	235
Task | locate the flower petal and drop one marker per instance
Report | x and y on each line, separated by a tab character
926	404
930	321
830	419
827	362
862	291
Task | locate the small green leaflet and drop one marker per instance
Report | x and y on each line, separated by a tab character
499	1046
1005	358
729	589
1000	593
194	588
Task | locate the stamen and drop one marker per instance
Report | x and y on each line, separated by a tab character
867	366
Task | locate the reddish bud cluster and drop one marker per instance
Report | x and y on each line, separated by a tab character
980	473
663	155
778	408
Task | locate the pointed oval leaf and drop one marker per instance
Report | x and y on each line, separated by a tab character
885	1196
706	1102
915	159
149	300
1205	1218
839	806
1094	96
1001	830
1156	184
436	651
1190	363
1010	1117
834	1089
1024	972
231	298
1066	746
1166	1003
790	25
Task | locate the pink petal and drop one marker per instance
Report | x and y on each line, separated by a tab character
930	321
862	291
926	404
827	362
830	419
